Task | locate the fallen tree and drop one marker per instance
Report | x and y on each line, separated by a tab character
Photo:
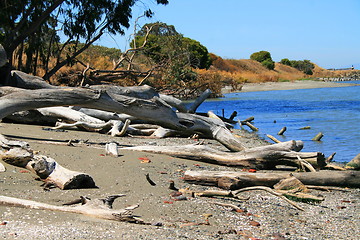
236	180
265	157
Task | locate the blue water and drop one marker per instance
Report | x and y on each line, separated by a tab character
333	111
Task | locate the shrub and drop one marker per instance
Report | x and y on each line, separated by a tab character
305	66
285	61
264	57
261	56
269	64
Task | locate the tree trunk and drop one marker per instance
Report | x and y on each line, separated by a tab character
237	180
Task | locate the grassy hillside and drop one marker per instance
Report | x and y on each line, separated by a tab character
252	71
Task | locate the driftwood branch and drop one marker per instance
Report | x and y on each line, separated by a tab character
266	157
269	190
98	208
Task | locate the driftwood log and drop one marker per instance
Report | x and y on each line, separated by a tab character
153	110
45	167
265	157
236	180
98	208
354	163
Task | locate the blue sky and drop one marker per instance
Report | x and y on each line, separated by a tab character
326	32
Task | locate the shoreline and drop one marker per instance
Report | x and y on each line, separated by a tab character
294	85
265	216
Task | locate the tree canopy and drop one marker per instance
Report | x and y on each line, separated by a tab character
303	65
264	57
37	21
164	43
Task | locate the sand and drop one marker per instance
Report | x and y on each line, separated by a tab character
267	217
300	84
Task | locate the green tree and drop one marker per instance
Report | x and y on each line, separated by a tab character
199	55
264	57
285	61
268	63
85	20
261	56
303	65
164	43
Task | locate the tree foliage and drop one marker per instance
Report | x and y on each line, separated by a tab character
264	57
34	21
173	55
164	43
285	61
302	65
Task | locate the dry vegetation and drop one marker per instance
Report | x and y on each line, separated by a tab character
247	70
223	72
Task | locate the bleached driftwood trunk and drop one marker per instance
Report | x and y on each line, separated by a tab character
236	180
265	157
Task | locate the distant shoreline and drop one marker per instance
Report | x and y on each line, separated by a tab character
299	84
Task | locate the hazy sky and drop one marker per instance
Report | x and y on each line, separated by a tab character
327	32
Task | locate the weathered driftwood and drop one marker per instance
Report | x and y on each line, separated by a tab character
274	139
68	114
354	163
247	123
98	208
318	137
236	180
265	157
2	168
199	101
112	149
153	110
305	164
31	117
45	167
269	190
23	80
282	130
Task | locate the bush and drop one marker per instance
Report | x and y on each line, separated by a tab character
261	56
305	66
264	57
269	64
285	61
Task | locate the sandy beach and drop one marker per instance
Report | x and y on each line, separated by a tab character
265	216
300	84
